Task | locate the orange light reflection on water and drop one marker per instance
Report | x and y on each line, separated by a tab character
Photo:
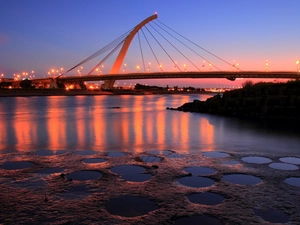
125	127
138	125
207	133
80	114
4	135
25	128
81	122
56	124
99	125
184	133
160	121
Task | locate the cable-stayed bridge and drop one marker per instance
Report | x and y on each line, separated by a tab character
155	35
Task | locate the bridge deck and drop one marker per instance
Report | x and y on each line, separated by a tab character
204	74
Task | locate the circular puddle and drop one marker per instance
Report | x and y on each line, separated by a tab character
283	166
215	154
206	198
147	159
85	152
84	175
292	160
45	152
272	215
16	165
93	160
256	159
196	182
50	170
199	170
116	154
242	179
131	173
294	181
195	220
130	206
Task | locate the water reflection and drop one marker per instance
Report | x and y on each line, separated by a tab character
56	123
139	124
25	131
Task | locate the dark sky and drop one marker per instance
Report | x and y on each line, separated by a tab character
42	35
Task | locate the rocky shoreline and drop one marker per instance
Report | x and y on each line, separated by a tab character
267	102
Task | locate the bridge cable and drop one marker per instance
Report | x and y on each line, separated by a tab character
188	47
176	49
107	56
161	48
109	46
161	70
198	45
150	47
141	52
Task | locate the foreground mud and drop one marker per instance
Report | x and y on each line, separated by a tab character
44	193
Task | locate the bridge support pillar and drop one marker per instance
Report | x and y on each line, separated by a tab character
109	84
53	83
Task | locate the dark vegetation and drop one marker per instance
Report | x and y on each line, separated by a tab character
5	84
270	102
166	89
26	84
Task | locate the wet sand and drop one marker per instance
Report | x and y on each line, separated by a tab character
44	192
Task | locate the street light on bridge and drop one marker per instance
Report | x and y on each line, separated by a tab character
175	66
32	74
124	69
298	69
235	65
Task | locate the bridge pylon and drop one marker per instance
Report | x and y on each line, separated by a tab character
120	58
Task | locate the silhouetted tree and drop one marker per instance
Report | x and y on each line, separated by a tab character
5	84
26	84
247	84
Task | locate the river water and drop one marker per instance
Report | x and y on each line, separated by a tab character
130	123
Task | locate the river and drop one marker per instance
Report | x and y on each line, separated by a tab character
130	123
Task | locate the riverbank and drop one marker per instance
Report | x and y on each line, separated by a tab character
268	102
